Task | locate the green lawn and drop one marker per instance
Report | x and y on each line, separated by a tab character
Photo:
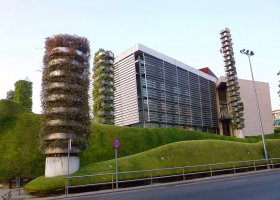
183	153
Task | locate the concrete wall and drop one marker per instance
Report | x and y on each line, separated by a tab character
252	125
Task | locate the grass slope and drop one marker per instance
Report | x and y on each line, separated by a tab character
183	153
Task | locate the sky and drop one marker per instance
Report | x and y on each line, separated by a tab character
186	30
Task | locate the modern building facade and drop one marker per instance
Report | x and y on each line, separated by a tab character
154	90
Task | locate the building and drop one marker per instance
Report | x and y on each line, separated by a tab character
276	118
154	90
249	110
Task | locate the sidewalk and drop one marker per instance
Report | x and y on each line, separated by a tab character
22	195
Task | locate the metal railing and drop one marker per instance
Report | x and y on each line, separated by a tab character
163	173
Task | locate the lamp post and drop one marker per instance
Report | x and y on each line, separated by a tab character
249	54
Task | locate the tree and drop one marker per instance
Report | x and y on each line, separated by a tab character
23	93
10	95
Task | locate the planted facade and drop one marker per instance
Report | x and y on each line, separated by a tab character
231	105
103	87
65	102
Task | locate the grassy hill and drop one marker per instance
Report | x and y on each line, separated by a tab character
183	153
19	138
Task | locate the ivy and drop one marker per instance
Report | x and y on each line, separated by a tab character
23	94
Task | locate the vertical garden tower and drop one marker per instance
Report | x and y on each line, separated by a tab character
232	86
103	87
65	118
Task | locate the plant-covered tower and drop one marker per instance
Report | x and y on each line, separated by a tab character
23	93
65	105
10	95
103	87
235	103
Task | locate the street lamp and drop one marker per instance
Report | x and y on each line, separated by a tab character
249	54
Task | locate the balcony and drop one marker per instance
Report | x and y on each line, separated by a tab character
104	89
230	73
228	53
110	105
232	83
238	109
236	98
232	78
235	104
107	82
230	68
228	58
225	117
239	114
238	120
240	125
233	94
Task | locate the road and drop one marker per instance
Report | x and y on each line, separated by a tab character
261	186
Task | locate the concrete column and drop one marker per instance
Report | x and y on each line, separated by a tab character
58	166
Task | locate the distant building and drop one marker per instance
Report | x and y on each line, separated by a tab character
154	90
276	118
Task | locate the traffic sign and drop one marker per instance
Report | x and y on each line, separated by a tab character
116	143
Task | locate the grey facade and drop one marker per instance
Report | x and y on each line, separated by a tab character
154	90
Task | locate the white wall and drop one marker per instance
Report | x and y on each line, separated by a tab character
252	124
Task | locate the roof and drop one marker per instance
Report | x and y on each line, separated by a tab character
208	71
141	47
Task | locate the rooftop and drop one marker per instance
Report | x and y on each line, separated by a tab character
141	47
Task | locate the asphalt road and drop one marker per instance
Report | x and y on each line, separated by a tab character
262	186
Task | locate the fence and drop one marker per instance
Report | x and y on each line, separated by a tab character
164	173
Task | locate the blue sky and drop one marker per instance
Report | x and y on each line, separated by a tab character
187	30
